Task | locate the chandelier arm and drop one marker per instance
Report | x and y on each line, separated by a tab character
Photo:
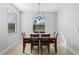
38	8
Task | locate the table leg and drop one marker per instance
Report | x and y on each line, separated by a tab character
23	45
56	45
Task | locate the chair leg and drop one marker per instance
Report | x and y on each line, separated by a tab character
24	46
38	49
41	49
48	49
31	48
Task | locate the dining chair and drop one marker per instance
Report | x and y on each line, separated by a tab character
34	41
56	34
23	37
23	34
45	41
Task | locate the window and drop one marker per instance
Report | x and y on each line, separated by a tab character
12	17
39	23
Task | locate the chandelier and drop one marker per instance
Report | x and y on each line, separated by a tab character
39	19
39	9
39	16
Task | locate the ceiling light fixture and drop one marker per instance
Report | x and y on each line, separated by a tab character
39	19
39	12
39	9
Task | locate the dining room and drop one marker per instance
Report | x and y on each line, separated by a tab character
39	28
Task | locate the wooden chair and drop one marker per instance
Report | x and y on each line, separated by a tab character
23	34
25	41
56	34
34	41
45	41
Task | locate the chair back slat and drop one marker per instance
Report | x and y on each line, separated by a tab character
56	34
45	37
34	37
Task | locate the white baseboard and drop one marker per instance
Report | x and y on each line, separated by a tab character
5	50
63	43
75	53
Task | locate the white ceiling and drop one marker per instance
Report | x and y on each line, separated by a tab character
44	7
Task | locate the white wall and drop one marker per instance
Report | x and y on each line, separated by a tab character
0	29
68	24
7	40
51	21
27	22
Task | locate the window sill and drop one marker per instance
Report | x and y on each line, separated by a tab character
9	34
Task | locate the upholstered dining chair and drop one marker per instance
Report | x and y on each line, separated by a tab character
45	41
34	41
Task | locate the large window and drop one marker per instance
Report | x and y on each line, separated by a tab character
12	17
39	23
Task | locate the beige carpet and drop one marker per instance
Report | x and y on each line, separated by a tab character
17	50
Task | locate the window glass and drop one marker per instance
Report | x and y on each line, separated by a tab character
39	23
12	17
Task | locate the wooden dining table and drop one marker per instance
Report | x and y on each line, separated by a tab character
28	40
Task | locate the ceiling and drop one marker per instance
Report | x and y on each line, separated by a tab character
34	7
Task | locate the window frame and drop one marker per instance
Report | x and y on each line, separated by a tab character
39	24
15	15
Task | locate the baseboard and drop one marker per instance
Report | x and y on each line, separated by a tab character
75	53
62	35
5	50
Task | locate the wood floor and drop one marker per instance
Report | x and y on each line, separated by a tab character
17	50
